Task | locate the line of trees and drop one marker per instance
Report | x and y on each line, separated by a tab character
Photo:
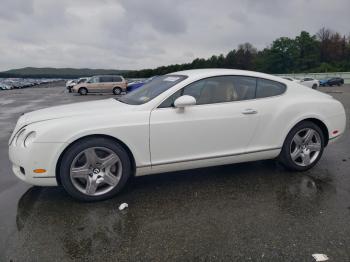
326	51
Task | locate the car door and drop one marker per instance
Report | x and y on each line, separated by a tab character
268	103
222	122
101	86
92	84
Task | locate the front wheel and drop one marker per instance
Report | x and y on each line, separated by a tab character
83	91
303	147
94	169
314	86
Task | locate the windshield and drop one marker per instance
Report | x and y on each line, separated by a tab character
151	89
82	81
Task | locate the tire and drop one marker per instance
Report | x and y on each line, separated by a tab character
83	91
290	147
117	90
103	182
314	86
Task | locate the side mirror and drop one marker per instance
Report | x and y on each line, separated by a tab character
184	101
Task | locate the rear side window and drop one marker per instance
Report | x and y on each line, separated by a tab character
267	88
104	79
116	79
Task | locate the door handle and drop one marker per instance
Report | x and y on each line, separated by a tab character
249	111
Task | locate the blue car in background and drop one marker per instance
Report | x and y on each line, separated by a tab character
334	81
135	85
323	82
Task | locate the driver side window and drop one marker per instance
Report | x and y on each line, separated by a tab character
94	79
169	102
217	89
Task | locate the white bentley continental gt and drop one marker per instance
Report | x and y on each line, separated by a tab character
183	120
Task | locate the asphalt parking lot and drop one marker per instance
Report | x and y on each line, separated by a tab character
255	211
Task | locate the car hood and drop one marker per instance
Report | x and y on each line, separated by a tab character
76	109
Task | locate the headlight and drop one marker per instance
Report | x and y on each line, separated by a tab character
29	139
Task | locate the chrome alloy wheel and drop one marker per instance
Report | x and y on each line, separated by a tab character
96	171
305	147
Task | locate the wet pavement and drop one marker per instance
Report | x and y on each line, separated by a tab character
255	211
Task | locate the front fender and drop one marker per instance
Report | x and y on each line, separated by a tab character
133	131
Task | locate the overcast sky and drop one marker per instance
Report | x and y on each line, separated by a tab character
131	34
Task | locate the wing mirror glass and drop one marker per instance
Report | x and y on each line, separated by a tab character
184	101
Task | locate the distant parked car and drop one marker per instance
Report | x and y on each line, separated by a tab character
71	83
310	82
137	84
323	82
4	86
291	79
102	84
334	81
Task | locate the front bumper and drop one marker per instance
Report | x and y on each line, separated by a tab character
36	156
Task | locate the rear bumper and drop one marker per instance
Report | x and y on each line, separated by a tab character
336	126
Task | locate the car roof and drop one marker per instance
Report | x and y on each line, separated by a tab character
202	73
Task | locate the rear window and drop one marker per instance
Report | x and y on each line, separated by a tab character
267	88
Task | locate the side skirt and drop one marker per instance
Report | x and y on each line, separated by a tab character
207	162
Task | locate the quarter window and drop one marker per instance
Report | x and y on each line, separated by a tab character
267	88
116	79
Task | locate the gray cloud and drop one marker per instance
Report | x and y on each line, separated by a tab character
131	34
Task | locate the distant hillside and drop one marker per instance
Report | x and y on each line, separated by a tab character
47	72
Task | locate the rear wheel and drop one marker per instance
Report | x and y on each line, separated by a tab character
94	169
314	86
303	147
117	90
83	91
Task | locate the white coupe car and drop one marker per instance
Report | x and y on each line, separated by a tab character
310	82
183	120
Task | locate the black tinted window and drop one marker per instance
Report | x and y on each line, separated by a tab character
104	79
266	88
